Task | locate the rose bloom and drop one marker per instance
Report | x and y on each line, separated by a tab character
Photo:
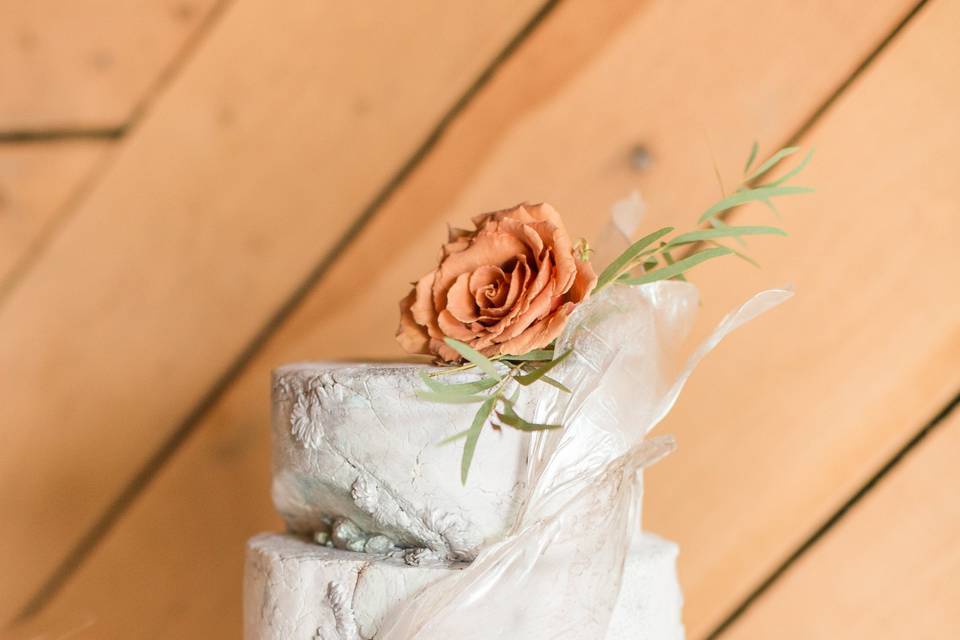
505	288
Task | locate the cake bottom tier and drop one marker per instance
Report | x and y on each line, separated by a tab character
295	589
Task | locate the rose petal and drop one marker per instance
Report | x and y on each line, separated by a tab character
411	336
542	211
485	275
459	301
451	248
453	328
443	351
544	275
422	308
557	239
538	308
488	286
454	234
540	334
519	279
522	231
584	283
535	303
519	304
486	249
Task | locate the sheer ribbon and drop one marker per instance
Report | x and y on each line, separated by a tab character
559	571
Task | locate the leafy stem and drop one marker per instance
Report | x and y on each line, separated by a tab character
652	254
489	391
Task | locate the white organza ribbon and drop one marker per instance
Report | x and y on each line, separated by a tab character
558	573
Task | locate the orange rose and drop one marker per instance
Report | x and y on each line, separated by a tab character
506	288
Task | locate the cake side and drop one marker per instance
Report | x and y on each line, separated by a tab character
297	589
354	441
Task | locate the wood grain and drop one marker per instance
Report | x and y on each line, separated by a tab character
245	174
558	120
888	570
790	417
37	181
87	64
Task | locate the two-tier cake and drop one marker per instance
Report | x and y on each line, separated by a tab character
496	494
375	505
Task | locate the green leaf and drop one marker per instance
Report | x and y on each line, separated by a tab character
725	231
536	354
789	174
449	398
473	434
739	254
717	223
508	405
771	163
515	421
529	378
454	437
751	157
668	258
483	363
679	266
773	209
553	382
461	388
624	259
750	195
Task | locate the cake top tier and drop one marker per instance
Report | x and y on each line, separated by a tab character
355	441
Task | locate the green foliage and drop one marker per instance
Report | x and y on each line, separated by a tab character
517	422
536	354
474	357
659	262
725	231
678	267
473	435
529	378
489	391
628	257
458	389
751	157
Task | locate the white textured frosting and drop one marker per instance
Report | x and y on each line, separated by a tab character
297	589
354	441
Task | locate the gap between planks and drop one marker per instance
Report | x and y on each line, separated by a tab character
112	514
164	76
837	516
924	431
108	134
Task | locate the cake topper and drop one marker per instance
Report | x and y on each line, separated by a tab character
502	293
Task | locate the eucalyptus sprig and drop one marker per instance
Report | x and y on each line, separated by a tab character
653	254
490	391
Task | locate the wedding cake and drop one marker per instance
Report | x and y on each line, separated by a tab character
495	493
358	467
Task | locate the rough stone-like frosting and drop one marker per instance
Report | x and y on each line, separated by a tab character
354	441
296	589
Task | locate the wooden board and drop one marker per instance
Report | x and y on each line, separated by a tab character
791	416
37	183
888	570
88	64
635	76
245	174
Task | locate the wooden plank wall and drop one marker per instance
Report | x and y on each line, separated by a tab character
267	192
96	334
